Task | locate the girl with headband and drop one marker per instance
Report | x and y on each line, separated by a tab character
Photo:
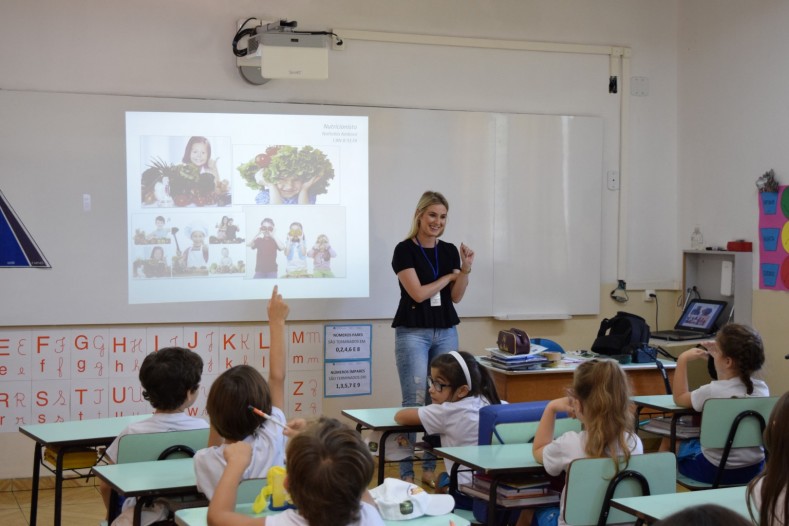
459	387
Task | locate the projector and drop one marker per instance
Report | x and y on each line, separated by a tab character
288	55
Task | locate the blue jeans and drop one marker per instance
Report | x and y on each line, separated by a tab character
414	350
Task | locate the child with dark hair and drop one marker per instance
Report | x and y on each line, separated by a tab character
767	492
329	469
459	387
170	378
228	406
737	353
705	515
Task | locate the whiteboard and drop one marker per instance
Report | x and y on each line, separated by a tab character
57	147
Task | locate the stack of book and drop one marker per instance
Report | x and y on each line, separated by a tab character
510	493
513	362
687	426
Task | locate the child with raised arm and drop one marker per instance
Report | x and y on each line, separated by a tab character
329	469
600	399
767	492
459	387
737	353
170	378
228	406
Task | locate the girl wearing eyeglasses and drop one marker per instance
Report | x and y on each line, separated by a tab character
459	387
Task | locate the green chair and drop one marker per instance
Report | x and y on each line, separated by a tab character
249	489
728	423
592	483
512	424
142	447
521	432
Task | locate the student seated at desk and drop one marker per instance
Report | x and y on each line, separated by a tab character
738	353
600	399
170	378
230	401
329	469
459	388
767	492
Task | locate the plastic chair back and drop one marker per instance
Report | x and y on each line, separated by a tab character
142	447
591	483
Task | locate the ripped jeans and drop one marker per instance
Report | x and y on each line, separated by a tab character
414	350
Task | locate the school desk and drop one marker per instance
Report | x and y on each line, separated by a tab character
198	517
380	419
155	478
65	437
494	460
652	508
547	383
661	404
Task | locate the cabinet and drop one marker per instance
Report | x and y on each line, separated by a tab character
708	271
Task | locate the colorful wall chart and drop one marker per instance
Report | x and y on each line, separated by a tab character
774	236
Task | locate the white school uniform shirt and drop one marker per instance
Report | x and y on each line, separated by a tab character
268	449
739	457
291	517
159	422
557	456
457	423
756	496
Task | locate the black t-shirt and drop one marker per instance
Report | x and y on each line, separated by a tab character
408	254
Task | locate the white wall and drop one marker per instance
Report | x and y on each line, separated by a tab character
733	127
181	48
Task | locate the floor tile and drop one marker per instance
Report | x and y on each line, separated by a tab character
14	517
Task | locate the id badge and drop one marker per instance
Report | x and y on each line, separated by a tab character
435	301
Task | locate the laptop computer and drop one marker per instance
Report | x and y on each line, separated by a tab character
698	320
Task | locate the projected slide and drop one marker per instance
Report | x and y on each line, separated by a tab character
222	206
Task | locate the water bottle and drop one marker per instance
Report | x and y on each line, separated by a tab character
696	239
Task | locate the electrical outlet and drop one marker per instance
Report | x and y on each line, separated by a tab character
613	180
648	295
337	43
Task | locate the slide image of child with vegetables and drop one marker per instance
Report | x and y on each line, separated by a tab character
288	175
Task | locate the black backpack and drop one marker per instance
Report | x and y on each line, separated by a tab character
624	334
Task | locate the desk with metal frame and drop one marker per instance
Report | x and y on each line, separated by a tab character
66	437
652	508
155	478
493	460
380	419
663	404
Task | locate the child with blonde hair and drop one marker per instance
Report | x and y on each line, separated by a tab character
600	399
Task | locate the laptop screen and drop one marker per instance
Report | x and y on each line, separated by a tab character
701	315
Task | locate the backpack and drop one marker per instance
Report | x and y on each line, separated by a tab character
624	334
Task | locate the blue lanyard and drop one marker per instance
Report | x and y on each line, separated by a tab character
435	249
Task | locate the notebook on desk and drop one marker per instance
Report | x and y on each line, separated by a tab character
698	320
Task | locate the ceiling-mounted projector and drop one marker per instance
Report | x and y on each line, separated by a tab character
289	55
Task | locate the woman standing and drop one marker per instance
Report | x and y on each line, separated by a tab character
432	278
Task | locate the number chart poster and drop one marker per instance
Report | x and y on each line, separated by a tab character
774	236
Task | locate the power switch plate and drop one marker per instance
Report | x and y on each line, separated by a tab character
613	180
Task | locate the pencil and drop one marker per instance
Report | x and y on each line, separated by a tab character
267	417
